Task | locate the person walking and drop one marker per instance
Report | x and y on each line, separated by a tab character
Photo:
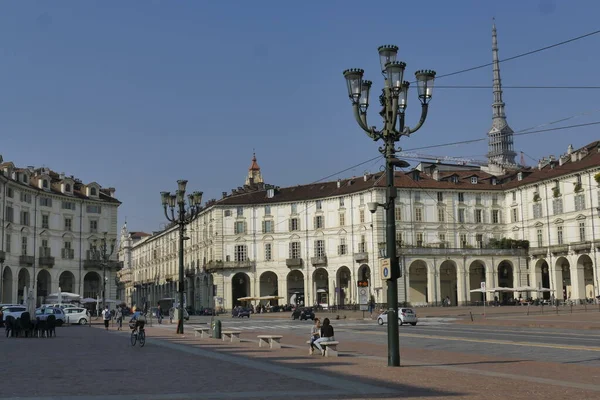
327	335
159	314
171	314
315	333
119	317
106	316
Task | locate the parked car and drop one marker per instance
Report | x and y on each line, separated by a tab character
241	312
77	315
405	316
303	314
14	311
57	312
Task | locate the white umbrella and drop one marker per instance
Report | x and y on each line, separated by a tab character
87	300
59	296
546	290
25	295
477	290
525	289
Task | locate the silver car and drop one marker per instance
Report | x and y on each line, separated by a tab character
405	316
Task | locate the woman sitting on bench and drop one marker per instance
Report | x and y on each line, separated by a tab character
326	335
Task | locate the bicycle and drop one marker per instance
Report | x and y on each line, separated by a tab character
138	332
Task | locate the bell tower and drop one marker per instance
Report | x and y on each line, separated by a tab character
254	175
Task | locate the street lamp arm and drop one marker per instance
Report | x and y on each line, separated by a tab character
408	131
362	122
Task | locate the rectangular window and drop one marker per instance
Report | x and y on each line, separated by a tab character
45	202
10	193
417	197
557	206
479	216
362	245
68	224
319	222
25	218
295	250
342	219
240	227
463	240
495	199
582	231
268	252
319	248
267	226
342	248
461	197
319	205
442	237
240	253
559	234
26	197
495	216
479	240
93	226
45	222
9	214
418	214
240	211
294	207
461	215
93	209
8	242
398	213
441	214
440	196
24	245
361	216
361	199
267	210
579	202
515	215
294	224
341	202
537	210
514	196
419	239
68	205
540	238
399	238
478	199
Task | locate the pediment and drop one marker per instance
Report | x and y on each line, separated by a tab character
68	235
25	230
441	227
558	221
538	224
319	233
8	227
496	229
515	228
268	238
294	237
44	233
342	232
240	239
580	217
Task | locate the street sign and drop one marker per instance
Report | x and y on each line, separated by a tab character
483	285
363	298
386	269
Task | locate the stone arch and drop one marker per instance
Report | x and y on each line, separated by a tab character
563	278
43	284
268	284
91	285
542	277
449	282
587	287
7	285
24	279
295	287
66	282
321	287
477	274
343	288
418	281
240	287
506	278
364	273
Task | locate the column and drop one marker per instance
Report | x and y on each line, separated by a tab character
461	289
433	284
577	282
282	289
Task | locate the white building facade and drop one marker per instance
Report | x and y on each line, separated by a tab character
49	223
311	244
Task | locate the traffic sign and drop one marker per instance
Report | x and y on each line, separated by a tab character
483	285
386	269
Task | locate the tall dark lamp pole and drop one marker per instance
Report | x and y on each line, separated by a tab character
103	254
393	99
169	201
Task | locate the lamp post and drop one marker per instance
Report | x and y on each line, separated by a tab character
169	201
393	99
103	254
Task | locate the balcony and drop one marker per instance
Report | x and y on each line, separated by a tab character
538	251
318	261
2	256
559	249
361	257
67	254
46	258
293	262
434	251
214	265
26	261
581	247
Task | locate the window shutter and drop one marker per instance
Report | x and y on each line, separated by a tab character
264	227
315	222
290	249
290	226
245	227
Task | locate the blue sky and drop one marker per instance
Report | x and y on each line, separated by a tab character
138	94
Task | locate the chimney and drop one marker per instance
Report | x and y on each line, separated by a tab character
365	177
570	149
224	194
31	168
62	176
436	175
339	183
250	181
111	191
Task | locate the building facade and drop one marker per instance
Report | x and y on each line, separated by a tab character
49	223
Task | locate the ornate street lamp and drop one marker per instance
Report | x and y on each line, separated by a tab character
169	201
393	99
101	252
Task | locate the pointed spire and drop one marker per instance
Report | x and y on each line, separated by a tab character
254	166
500	145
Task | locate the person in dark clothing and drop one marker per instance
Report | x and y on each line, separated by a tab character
327	335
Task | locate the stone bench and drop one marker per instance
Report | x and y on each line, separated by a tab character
202	332
330	348
272	340
232	336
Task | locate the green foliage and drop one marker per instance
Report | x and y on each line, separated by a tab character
597	177
506	243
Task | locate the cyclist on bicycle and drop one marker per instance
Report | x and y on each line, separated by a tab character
138	320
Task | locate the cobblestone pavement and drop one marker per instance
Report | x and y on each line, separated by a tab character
76	363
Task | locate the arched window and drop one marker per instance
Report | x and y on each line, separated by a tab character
93	191
67	188
45	184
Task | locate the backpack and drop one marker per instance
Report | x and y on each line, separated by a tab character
107	315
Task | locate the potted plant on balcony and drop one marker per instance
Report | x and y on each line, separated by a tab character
597	178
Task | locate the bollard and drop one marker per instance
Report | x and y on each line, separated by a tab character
216	328
528	308
571	308
471	316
